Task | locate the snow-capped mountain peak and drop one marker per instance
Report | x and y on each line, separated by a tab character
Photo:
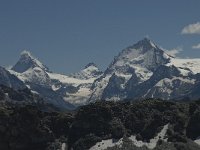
26	62
91	65
145	43
90	71
142	70
144	53
26	53
136	63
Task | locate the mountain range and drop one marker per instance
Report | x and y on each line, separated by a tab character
141	71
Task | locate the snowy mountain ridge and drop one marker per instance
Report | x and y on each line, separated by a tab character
74	88
142	70
90	71
26	62
134	67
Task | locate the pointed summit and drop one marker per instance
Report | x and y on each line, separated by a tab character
90	71
145	45
27	61
145	53
91	65
26	53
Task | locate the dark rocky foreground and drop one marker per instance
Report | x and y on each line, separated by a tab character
29	128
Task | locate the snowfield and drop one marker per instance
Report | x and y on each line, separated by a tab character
135	66
192	64
70	80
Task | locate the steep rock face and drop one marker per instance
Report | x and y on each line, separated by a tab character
194	93
175	88
31	70
26	62
114	90
138	61
51	97
10	80
144	70
143	54
164	83
36	77
56	88
33	75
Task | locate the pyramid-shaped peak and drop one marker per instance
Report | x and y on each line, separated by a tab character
145	43
27	61
141	47
90	65
143	54
26	53
147	39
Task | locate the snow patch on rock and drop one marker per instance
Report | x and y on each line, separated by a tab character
197	141
153	142
104	144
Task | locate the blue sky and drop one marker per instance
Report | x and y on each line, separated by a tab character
67	34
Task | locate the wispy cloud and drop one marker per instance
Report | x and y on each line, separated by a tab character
173	52
191	29
196	46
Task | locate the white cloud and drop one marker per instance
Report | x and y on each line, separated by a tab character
173	52
196	46
192	29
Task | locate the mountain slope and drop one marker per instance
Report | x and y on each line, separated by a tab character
26	62
141	71
56	88
10	80
138	60
35	76
90	71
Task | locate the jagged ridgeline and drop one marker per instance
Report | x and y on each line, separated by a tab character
141	125
142	70
103	110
